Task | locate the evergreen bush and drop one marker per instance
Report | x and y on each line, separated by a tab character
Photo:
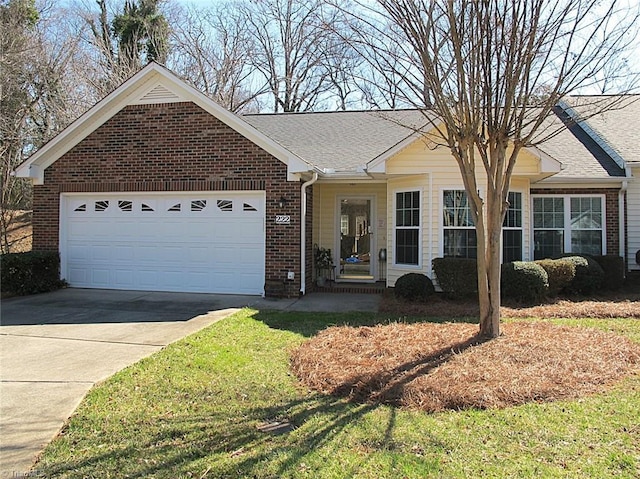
457	276
414	287
524	281
560	273
589	274
30	272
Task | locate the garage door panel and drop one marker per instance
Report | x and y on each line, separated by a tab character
124	278
212	244
100	277
124	252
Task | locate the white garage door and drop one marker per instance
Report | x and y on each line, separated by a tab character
192	242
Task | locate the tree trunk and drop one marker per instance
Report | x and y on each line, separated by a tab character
490	271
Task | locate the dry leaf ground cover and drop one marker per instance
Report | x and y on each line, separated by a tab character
19	232
434	367
619	304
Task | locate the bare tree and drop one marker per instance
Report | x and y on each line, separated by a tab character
493	71
295	49
122	41
212	50
37	96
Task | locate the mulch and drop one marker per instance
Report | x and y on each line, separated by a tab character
434	367
622	304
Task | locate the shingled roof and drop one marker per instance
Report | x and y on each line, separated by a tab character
346	141
339	141
617	127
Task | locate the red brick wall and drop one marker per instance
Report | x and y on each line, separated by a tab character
611	210
174	147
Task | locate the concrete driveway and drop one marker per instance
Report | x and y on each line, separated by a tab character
54	347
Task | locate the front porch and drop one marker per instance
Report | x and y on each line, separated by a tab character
379	287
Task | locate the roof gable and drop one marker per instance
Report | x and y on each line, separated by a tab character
153	84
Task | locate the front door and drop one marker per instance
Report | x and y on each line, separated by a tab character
356	239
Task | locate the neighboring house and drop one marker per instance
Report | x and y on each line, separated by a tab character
159	188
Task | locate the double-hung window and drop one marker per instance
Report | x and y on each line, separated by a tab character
407	228
568	224
459	232
512	229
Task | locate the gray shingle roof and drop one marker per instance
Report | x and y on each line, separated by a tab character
618	126
346	141
581	157
341	141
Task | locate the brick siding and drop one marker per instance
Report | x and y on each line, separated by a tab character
174	147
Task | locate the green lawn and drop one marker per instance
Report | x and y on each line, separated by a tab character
192	411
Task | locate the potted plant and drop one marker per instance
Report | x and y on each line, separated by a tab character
323	262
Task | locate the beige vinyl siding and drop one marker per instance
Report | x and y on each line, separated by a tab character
633	219
438	172
325	211
412	183
421	157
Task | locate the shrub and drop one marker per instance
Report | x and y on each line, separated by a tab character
524	281
589	274
560	273
30	272
414	287
613	267
457	276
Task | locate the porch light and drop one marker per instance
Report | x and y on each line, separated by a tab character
282	201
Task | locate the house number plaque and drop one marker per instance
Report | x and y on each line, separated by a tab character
283	219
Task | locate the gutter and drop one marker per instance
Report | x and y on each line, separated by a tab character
303	234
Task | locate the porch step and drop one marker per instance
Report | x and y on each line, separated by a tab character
359	288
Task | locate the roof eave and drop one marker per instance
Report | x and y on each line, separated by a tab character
582	180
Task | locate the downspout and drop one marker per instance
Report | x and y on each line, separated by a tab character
303	234
622	220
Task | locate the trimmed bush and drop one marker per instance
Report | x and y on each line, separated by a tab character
524	281
30	272
613	267
589	274
457	276
414	287
560	273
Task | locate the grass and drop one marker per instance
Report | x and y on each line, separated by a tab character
193	411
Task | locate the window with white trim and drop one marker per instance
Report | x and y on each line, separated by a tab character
459	232
512	229
407	228
568	224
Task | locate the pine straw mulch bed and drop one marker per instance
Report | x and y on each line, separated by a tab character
434	367
625	304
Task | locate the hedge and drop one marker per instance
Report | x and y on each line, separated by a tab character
524	281
613	267
589	274
30	272
414	287
560	274
457	276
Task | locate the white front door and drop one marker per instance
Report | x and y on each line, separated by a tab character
191	242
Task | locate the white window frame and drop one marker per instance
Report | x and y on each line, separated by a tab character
419	227
567	219
443	227
515	228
